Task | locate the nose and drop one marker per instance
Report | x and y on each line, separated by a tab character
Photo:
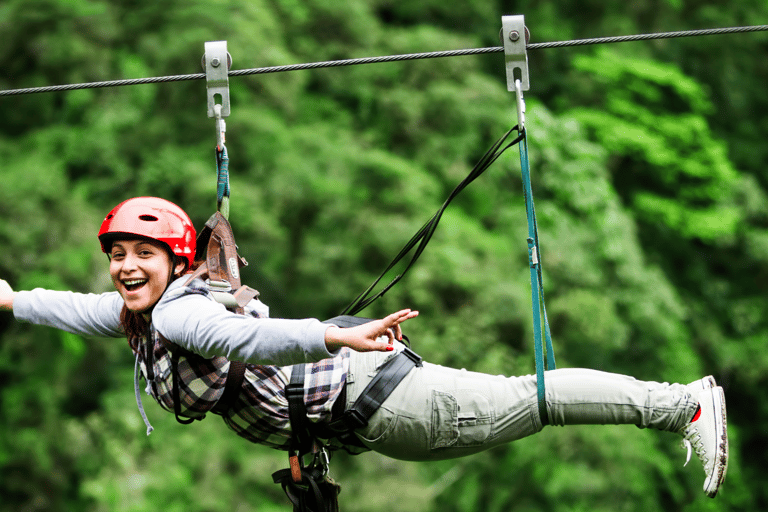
129	263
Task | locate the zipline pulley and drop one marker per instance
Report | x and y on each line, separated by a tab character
216	62
514	38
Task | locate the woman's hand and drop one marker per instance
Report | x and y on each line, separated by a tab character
6	296
363	338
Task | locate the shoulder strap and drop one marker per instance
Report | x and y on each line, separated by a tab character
221	264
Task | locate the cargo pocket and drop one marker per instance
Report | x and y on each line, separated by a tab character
466	421
445	420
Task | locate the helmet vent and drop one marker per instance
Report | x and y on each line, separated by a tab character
148	218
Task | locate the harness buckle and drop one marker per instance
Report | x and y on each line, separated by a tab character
413	356
352	419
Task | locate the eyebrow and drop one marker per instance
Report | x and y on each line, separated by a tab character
139	243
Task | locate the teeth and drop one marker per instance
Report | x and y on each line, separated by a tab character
132	282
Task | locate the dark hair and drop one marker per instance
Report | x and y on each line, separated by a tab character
134	324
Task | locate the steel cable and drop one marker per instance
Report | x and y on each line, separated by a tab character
387	58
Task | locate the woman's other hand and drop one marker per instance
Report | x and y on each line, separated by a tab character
6	296
364	338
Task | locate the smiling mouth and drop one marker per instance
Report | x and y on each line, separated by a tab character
134	284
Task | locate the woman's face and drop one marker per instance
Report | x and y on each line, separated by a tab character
140	270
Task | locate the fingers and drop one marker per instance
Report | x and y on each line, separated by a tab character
400	316
366	337
395	332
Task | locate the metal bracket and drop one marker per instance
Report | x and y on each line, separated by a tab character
514	37
217	62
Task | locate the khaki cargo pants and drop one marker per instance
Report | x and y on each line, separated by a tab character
441	413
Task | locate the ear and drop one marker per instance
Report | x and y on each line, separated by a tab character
180	267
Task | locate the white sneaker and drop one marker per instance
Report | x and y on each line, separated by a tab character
707	434
707	382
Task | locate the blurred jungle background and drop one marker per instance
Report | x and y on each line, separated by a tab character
649	171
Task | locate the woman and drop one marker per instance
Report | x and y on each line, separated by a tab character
434	413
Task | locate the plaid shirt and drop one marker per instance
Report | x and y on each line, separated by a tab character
260	413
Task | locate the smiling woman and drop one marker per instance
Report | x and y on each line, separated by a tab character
141	270
185	344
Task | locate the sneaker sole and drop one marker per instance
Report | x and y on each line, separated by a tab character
714	480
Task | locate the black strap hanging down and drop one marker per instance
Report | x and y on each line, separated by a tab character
297	411
423	236
177	391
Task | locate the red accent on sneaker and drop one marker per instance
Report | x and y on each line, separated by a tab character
696	416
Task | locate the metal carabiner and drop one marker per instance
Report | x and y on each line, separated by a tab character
520	106
324	460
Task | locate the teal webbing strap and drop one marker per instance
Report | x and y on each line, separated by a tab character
537	286
222	180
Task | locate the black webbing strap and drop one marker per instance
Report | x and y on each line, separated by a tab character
374	394
313	493
176	390
297	411
423	236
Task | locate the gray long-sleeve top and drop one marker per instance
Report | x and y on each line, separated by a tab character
186	315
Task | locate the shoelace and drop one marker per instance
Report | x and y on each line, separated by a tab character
697	446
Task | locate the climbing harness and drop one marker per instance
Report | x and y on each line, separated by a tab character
310	488
220	271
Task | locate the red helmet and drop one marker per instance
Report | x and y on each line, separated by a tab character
150	217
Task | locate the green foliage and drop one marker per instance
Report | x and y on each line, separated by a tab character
668	163
649	177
